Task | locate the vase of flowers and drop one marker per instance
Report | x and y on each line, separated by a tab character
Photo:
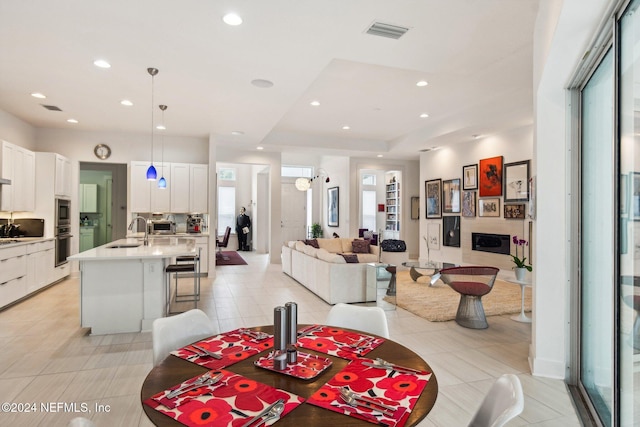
521	267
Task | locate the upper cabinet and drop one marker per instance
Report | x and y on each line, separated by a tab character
183	181
18	165
88	198
63	176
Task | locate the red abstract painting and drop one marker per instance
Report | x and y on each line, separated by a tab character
490	177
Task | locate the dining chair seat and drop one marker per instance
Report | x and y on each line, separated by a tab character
503	402
368	319
171	333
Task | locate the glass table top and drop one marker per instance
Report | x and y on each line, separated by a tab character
431	265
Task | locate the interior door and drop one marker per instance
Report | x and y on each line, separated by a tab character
294	212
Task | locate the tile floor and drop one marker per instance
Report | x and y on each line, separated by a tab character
47	359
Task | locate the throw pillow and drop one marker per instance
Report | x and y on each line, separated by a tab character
360	246
350	258
312	242
368	234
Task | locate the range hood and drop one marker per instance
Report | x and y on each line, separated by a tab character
5	181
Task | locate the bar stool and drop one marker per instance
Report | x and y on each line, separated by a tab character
185	265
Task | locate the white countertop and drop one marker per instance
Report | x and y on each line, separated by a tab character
167	248
9	242
140	235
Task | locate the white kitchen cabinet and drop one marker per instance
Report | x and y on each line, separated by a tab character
18	165
88	198
198	188
87	236
144	195
40	264
202	243
180	187
62	187
13	269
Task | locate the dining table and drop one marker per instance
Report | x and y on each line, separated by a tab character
174	370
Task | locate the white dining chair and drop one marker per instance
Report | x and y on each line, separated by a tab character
81	422
171	333
367	319
503	402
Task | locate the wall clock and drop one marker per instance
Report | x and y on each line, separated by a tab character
102	151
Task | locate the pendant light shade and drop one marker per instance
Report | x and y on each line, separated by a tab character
152	174
162	182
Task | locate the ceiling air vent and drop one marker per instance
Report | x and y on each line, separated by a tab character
386	30
51	107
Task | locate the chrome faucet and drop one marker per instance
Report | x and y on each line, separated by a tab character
146	228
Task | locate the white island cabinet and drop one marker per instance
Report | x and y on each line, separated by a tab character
123	284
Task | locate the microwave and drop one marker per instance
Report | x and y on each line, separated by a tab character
162	226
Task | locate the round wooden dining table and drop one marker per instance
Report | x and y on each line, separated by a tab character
173	370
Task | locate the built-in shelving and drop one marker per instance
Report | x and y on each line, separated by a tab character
392	207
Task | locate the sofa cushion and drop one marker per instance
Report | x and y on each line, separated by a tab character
365	258
346	245
360	246
331	245
312	242
300	246
350	258
327	256
310	250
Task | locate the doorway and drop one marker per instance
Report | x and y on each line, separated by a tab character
103	203
294	212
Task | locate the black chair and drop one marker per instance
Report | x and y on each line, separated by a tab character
224	242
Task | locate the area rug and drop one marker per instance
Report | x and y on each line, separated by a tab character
439	302
229	258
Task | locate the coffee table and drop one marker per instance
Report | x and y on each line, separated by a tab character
436	266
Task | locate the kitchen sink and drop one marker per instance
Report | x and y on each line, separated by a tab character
124	245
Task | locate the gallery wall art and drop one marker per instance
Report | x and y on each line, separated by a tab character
490	177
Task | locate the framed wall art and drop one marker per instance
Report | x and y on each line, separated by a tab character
516	181
489	207
433	201
470	177
490	177
514	211
451	196
451	231
468	203
415	208
333	212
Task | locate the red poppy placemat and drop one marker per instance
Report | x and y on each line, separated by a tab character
338	342
308	365
231	402
232	346
399	391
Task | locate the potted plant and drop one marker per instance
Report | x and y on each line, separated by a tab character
316	230
521	268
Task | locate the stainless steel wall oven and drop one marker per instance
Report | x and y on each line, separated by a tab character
63	231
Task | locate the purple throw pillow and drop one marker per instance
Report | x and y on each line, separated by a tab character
360	246
350	258
312	242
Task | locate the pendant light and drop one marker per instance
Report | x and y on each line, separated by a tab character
152	174
162	183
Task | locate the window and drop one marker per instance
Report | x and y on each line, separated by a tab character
368	179
369	209
296	171
227	174
226	208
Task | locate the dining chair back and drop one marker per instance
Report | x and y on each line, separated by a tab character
471	282
367	319
225	240
171	333
81	422
503	402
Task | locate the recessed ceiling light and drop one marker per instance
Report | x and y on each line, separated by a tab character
424	115
422	83
237	132
232	19
315	103
259	148
161	127
101	63
38	95
379	155
126	103
72	121
262	83
346	127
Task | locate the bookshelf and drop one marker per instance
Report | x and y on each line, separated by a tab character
392	207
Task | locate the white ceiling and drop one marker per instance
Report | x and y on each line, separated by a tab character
475	54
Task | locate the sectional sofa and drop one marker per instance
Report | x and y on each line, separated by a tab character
325	269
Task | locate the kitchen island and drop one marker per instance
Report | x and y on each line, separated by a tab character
123	287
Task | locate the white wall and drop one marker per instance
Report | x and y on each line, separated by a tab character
337	168
14	130
447	163
562	35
